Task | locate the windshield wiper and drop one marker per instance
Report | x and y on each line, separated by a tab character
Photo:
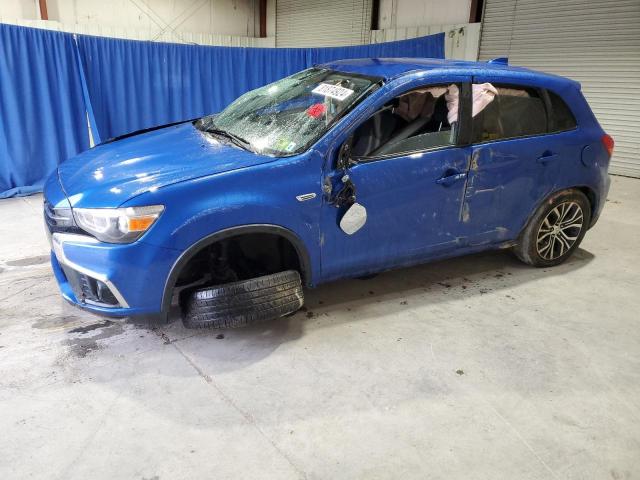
239	141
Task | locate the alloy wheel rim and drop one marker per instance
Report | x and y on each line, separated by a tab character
559	230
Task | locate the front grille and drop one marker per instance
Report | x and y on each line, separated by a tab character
89	290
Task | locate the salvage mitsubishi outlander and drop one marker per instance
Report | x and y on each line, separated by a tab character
341	170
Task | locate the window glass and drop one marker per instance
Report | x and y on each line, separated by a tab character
287	116
561	119
512	112
418	120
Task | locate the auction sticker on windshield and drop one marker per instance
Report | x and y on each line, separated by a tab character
333	91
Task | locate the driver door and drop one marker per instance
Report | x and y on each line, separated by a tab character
409	170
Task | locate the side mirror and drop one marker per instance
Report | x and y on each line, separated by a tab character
353	219
344	155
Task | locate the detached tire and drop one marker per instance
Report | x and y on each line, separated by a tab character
555	230
242	303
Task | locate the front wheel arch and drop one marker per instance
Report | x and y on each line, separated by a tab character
189	253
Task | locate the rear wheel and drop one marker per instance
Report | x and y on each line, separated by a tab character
555	230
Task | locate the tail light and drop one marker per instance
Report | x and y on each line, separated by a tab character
608	143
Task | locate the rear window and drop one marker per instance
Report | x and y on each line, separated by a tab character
514	112
561	117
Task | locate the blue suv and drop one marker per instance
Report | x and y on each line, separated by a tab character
341	170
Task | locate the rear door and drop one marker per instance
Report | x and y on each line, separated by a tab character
514	161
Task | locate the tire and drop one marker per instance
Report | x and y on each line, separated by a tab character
245	302
552	234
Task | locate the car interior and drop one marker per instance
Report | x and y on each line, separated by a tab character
516	112
419	120
414	121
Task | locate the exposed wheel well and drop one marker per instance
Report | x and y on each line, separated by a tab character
588	192
591	196
243	256
240	254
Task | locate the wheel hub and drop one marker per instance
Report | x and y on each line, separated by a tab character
559	230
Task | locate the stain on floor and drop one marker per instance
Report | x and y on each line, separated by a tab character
93	326
87	337
56	322
28	261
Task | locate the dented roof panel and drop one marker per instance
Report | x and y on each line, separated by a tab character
390	68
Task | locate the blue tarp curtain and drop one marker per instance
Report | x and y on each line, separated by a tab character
135	85
130	85
42	112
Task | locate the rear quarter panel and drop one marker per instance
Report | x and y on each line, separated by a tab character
591	169
584	161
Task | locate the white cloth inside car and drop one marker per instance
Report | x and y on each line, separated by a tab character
482	95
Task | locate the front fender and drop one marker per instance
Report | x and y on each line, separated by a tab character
189	253
260	195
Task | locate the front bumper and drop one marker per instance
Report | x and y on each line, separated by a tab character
110	279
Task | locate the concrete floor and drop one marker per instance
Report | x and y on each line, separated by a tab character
473	368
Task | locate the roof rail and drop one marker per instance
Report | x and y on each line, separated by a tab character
500	60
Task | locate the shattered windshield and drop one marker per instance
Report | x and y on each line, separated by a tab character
287	116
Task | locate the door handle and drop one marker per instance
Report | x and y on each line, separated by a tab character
450	178
547	157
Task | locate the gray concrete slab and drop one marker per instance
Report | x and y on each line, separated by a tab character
477	367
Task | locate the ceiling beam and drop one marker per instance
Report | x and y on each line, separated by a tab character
262	7
43	10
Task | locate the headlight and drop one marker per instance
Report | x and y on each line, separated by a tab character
117	225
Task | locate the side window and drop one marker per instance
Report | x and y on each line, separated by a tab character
561	117
511	112
422	119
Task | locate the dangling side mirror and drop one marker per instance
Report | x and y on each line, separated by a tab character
353	219
355	215
344	155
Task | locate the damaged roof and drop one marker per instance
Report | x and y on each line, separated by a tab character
389	68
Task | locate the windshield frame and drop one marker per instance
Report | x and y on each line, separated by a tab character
376	84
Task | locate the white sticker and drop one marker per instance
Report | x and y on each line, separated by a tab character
290	147
333	91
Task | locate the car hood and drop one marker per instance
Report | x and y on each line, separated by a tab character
112	173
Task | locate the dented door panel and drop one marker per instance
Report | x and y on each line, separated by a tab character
504	182
413	201
509	178
411	214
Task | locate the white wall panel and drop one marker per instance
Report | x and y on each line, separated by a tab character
596	42
314	23
144	34
398	14
271	18
170	19
19	9
461	41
